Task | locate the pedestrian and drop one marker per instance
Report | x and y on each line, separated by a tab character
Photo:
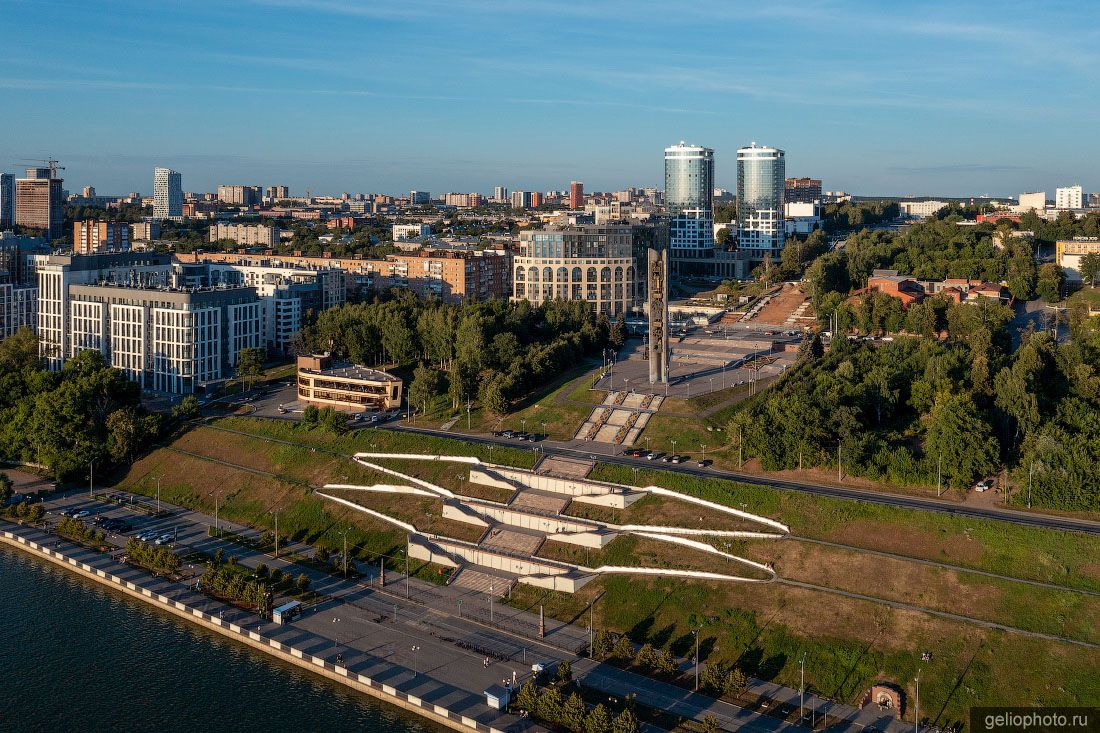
486	663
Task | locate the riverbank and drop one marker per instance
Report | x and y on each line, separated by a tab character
196	609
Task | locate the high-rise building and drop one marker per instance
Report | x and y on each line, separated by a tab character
802	190
88	192
1069	197
500	194
276	193
7	200
420	198
576	195
1094	200
521	199
100	237
760	184
536	199
689	196
38	202
1036	200
167	194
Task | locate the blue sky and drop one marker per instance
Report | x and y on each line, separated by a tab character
952	98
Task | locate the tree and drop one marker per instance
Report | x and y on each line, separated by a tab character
188	408
425	386
646	657
333	421
1089	268
550	705
1051	280
250	365
528	697
573	713
623	649
598	720
723	237
302	583
310	415
625	722
711	725
618	333
565	671
19	351
5	487
491	396
961	440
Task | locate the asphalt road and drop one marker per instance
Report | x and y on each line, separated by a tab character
874	497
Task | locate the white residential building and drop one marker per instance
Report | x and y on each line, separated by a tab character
410	231
1069	197
920	209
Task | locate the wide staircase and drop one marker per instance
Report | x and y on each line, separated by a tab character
477	580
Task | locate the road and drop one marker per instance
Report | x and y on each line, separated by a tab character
603	453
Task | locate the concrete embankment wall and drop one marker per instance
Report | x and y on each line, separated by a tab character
285	652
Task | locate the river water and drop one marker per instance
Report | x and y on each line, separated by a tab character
75	656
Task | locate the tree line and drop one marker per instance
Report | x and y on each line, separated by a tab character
493	352
920	411
86	413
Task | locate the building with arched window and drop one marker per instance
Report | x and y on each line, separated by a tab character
591	262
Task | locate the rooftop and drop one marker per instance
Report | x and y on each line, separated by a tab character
353	371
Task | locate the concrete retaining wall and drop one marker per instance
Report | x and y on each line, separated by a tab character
374	688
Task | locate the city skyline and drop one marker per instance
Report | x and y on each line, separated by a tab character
349	96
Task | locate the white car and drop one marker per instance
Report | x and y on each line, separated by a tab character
983	485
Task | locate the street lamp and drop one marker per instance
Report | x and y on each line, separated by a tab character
697	633
703	448
491	591
916	713
217	496
275	514
802	688
416	658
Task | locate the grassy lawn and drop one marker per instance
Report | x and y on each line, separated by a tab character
247	497
1065	558
849	644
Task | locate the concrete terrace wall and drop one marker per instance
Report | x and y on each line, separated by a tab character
285	652
587	492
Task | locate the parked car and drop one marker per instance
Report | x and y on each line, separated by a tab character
654	456
679	459
80	514
704	463
983	485
165	539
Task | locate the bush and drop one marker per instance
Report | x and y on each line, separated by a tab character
302	583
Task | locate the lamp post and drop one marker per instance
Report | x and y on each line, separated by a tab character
90	465
802	688
697	633
703	448
275	514
491	591
491	446
345	534
158	494
916	713
674	447
416	658
217	496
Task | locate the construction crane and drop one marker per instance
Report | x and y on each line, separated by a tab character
50	163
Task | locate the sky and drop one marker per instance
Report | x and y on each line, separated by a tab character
950	98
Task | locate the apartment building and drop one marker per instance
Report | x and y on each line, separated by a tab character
594	263
145	230
135	309
403	232
100	237
246	235
239	195
450	275
802	190
1068	254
